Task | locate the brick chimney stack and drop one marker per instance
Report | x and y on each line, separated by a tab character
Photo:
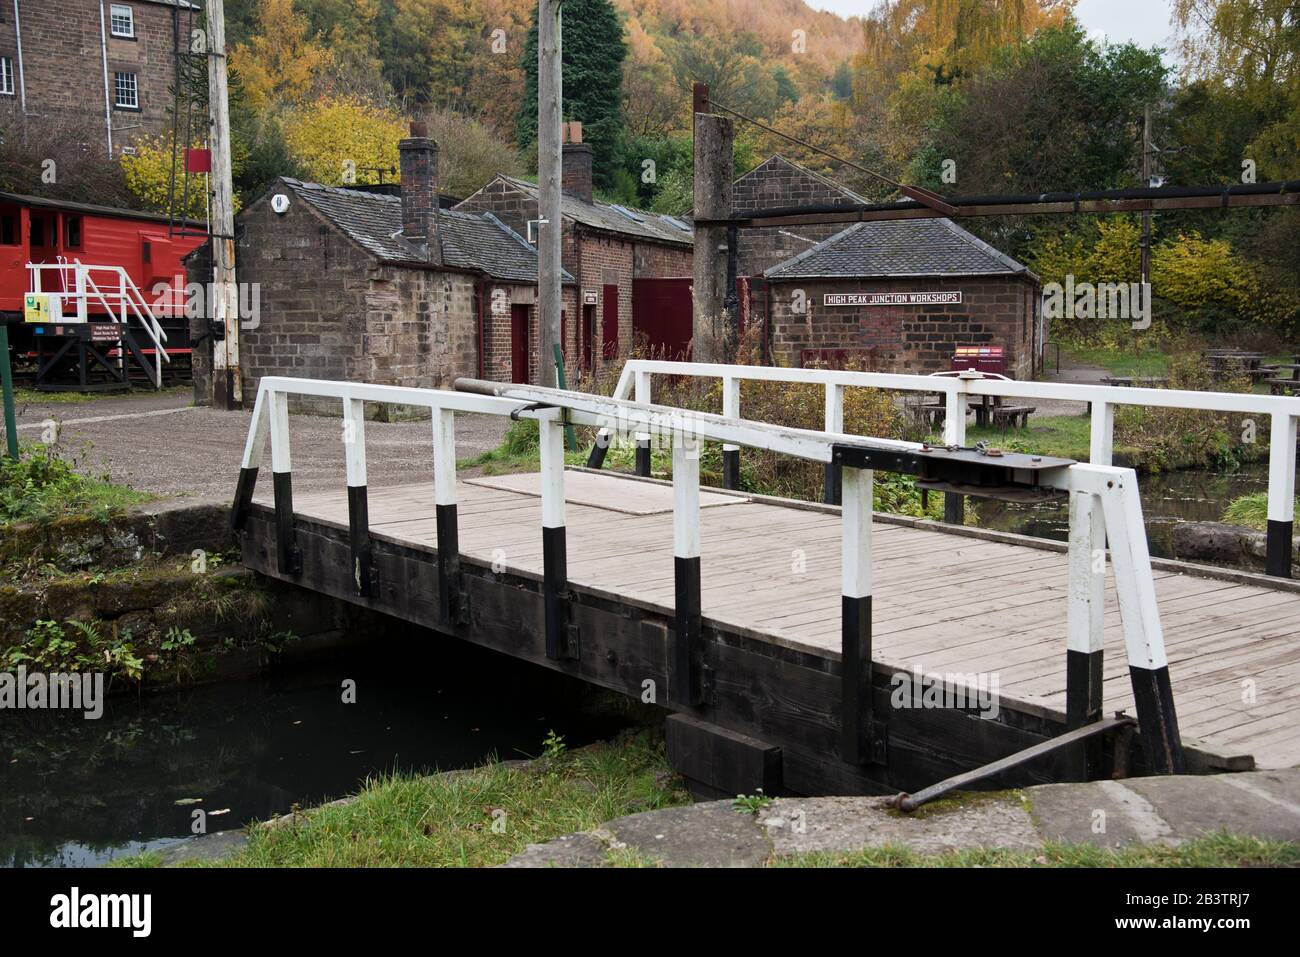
575	167
419	167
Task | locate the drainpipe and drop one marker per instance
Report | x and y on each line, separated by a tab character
108	109
481	283
22	78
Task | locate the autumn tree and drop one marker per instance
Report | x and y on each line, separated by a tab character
340	141
279	65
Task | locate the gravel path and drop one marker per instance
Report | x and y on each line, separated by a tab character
164	445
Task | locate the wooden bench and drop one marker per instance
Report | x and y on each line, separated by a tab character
1012	416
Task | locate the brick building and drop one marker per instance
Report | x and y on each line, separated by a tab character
105	65
372	287
616	253
901	295
776	183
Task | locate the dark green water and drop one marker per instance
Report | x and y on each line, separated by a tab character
82	792
1167	499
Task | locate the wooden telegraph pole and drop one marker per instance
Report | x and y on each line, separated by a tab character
550	96
713	336
227	384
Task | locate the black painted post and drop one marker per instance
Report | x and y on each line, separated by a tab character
687	665
243	498
1086	611
1280	548
855	618
643	457
1157	720
954	508
288	559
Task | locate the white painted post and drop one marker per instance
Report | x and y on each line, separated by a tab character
643	438
684	685
444	457
834	423
1101	446
855	616
354	441
954	434
1085	609
730	452
1140	617
1281	495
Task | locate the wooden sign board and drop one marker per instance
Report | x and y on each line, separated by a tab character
892	298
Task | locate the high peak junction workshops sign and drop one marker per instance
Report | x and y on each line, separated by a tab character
891	298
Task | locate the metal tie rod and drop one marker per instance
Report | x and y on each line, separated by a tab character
910	802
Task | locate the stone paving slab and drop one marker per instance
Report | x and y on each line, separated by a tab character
1113	814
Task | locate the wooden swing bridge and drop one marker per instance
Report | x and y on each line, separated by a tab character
782	635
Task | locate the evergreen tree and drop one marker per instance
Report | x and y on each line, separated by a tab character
592	53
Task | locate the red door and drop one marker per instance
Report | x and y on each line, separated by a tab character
588	332
661	312
519	343
609	323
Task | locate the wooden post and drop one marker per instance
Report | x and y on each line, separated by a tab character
1143	636
642	395
685	685
452	608
288	557
227	381
731	453
713	338
1281	495
550	93
555	575
7	386
855	616
1085	610
354	444
835	424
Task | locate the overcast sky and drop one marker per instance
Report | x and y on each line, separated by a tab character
1145	22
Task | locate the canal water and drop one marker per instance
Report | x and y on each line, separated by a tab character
1167	499
76	792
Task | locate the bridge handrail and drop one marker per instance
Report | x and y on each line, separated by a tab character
1104	505
957	387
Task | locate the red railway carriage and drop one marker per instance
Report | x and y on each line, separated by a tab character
102	239
36	230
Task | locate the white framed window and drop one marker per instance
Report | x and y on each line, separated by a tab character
6	76
126	92
121	20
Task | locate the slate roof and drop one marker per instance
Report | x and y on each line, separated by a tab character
473	241
615	219
899	248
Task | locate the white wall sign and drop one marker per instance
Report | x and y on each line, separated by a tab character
891	298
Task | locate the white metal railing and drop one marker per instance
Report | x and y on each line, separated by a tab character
957	388
116	293
1104	505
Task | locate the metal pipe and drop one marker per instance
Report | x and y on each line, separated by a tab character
22	77
108	109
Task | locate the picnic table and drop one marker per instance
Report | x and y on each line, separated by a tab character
1282	385
988	409
1127	382
1233	361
